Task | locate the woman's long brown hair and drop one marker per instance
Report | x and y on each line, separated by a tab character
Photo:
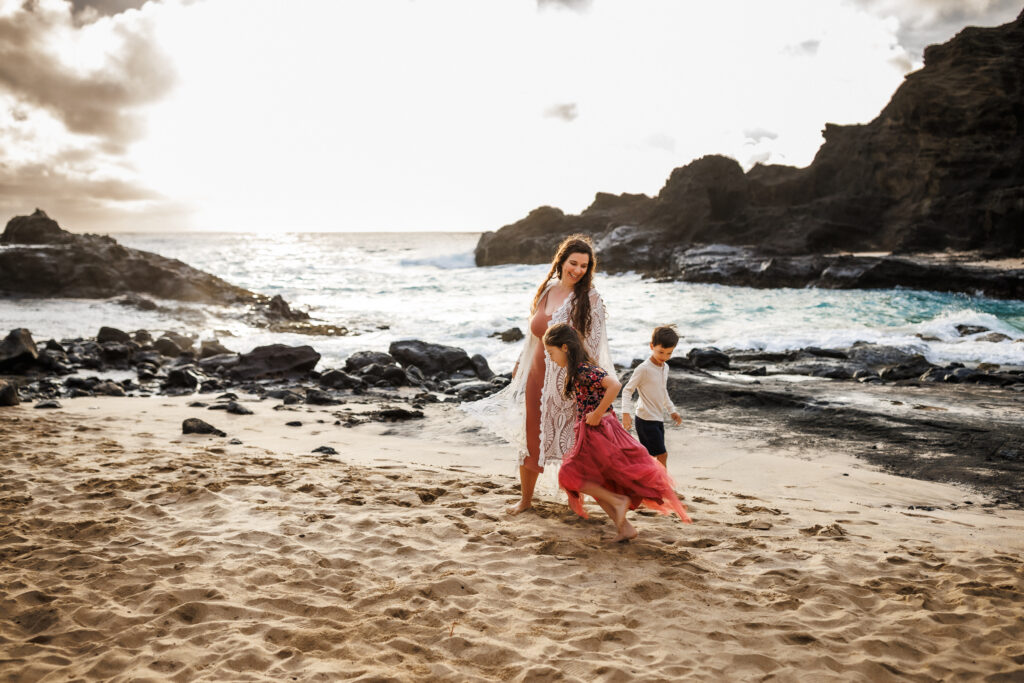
562	334
579	313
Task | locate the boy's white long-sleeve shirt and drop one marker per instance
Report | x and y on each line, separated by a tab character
649	381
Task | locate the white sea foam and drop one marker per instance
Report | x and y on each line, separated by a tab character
422	286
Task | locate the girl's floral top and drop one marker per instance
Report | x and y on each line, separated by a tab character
589	391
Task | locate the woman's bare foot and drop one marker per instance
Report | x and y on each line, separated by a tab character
627	532
522	506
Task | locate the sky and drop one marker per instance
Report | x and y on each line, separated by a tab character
391	115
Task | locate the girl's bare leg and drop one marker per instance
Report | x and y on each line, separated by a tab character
617	507
527	483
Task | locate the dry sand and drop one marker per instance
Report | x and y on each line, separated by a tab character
129	551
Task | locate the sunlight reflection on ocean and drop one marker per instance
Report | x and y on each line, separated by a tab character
389	286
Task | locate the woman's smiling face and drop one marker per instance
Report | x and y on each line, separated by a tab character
574	268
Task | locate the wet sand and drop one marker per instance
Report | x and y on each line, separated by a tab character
129	551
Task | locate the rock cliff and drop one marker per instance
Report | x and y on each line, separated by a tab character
941	167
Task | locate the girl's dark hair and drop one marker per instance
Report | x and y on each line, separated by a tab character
579	313
562	334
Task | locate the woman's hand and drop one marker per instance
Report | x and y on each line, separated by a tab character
594	418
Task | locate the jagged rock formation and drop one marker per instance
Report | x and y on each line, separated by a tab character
44	260
942	167
40	259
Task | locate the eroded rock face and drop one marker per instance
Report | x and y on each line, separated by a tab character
942	167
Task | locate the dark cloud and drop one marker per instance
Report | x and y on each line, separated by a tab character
575	5
104	8
927	22
98	103
81	203
566	112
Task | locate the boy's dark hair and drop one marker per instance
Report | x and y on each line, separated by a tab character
665	336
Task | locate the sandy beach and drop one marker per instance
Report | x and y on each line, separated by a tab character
133	552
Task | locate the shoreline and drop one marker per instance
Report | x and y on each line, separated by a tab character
134	551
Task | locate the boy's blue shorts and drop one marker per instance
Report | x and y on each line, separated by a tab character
651	434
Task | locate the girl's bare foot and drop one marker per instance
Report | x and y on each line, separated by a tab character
522	506
627	532
618	509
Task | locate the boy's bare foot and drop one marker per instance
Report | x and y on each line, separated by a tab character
522	506
626	533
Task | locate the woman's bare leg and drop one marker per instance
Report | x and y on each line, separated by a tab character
527	483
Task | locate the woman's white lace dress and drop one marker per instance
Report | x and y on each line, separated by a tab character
504	413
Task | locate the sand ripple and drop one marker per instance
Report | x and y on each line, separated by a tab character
189	563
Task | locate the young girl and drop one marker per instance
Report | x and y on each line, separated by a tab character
605	463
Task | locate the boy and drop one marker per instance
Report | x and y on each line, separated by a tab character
649	380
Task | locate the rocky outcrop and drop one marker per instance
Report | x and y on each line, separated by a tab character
941	167
40	259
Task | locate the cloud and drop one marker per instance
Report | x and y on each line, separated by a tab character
99	101
83	201
927	22
807	48
92	9
759	134
566	112
575	5
662	141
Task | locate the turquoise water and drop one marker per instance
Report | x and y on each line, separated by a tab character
424	285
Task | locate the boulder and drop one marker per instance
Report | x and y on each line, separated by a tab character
431	359
336	379
236	408
708	358
193	425
212	348
167	347
275	360
318	397
108	388
913	367
513	334
112	334
17	349
481	368
183	378
117	354
8	394
361	359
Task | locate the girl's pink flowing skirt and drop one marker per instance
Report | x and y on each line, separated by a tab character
609	456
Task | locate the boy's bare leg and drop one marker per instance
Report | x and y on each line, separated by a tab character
663	459
527	483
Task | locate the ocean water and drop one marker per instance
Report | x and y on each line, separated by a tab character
390	286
